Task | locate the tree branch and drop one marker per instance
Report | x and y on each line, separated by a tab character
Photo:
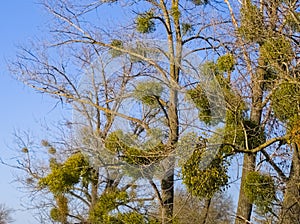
156	191
87	102
273	164
269	142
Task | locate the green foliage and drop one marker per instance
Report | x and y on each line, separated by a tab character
54	214
252	26
285	101
234	118
209	68
149	93
237	129
186	28
144	22
260	190
136	156
114	142
234	132
204	183
64	176
131	218
271	74
116	43
106	204
53	164
60	212
226	63
294	130
276	50
62	203
217	69
237	126
199	98
130	153
235	104
292	20
175	12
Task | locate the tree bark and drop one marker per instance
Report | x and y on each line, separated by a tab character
244	205
175	50
167	183
244	208
290	213
167	187
206	210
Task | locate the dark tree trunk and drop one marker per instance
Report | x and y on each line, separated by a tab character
290	213
244	205
167	183
167	187
244	208
206	211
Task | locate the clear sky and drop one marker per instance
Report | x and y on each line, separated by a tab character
23	109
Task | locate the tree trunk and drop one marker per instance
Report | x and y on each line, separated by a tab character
94	189
244	208
167	187
167	183
244	205
206	210
290	213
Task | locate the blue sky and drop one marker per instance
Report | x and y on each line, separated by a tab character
22	109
